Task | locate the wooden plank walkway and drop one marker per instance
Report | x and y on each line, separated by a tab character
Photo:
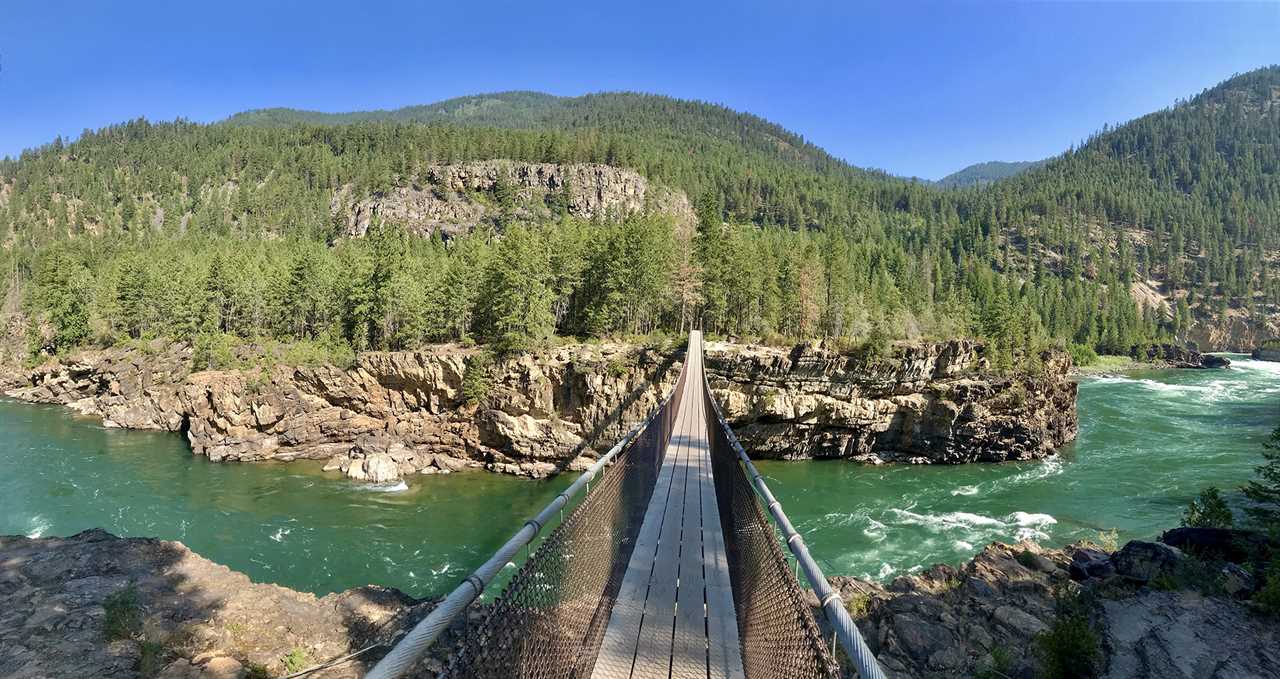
674	615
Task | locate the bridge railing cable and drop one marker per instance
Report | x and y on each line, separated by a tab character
756	560
551	617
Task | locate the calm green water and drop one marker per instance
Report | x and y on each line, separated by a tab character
285	523
1147	444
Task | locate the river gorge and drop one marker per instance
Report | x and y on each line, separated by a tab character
1147	442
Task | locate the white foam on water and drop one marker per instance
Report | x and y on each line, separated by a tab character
962	546
280	534
965	490
443	569
387	488
39	525
1026	519
1271	367
885	571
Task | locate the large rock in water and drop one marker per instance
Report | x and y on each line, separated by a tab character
1176	356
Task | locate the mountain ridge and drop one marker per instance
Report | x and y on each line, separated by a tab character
1178	210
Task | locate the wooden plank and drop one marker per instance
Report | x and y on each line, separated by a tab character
618	648
689	641
653	653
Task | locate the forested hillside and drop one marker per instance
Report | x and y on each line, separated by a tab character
1159	228
985	173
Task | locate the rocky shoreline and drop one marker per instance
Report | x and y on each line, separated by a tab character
1153	611
395	414
96	605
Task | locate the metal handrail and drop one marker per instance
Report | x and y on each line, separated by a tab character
415	644
832	605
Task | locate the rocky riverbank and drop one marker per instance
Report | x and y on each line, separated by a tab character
1151	612
927	403
95	605
395	414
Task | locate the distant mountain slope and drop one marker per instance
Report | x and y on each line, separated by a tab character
985	173
1180	208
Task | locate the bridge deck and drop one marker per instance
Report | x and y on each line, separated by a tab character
674	614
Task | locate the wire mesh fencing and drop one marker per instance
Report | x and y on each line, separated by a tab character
550	620
780	639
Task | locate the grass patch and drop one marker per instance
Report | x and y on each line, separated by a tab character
1109	540
295	661
858	605
123	619
998	665
152	658
1268	598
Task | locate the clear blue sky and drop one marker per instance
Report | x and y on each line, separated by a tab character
916	89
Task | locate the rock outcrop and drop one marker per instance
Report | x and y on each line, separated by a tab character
925	403
1267	351
452	199
388	416
985	616
95	605
1174	356
396	414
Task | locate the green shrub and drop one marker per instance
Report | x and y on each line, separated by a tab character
1207	510
1269	596
1109	540
123	619
295	661
1027	558
1070	648
858	605
1082	355
999	665
152	658
477	378
214	351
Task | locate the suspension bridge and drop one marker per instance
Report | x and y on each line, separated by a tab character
669	565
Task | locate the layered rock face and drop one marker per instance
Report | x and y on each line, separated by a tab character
452	199
401	413
926	403
390	415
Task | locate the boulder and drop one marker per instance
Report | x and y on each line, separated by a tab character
1232	544
1144	561
1211	361
1236	581
1090	563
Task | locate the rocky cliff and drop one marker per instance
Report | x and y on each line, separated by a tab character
388	416
395	414
452	199
925	403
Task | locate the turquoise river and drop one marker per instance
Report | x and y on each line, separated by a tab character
1148	442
